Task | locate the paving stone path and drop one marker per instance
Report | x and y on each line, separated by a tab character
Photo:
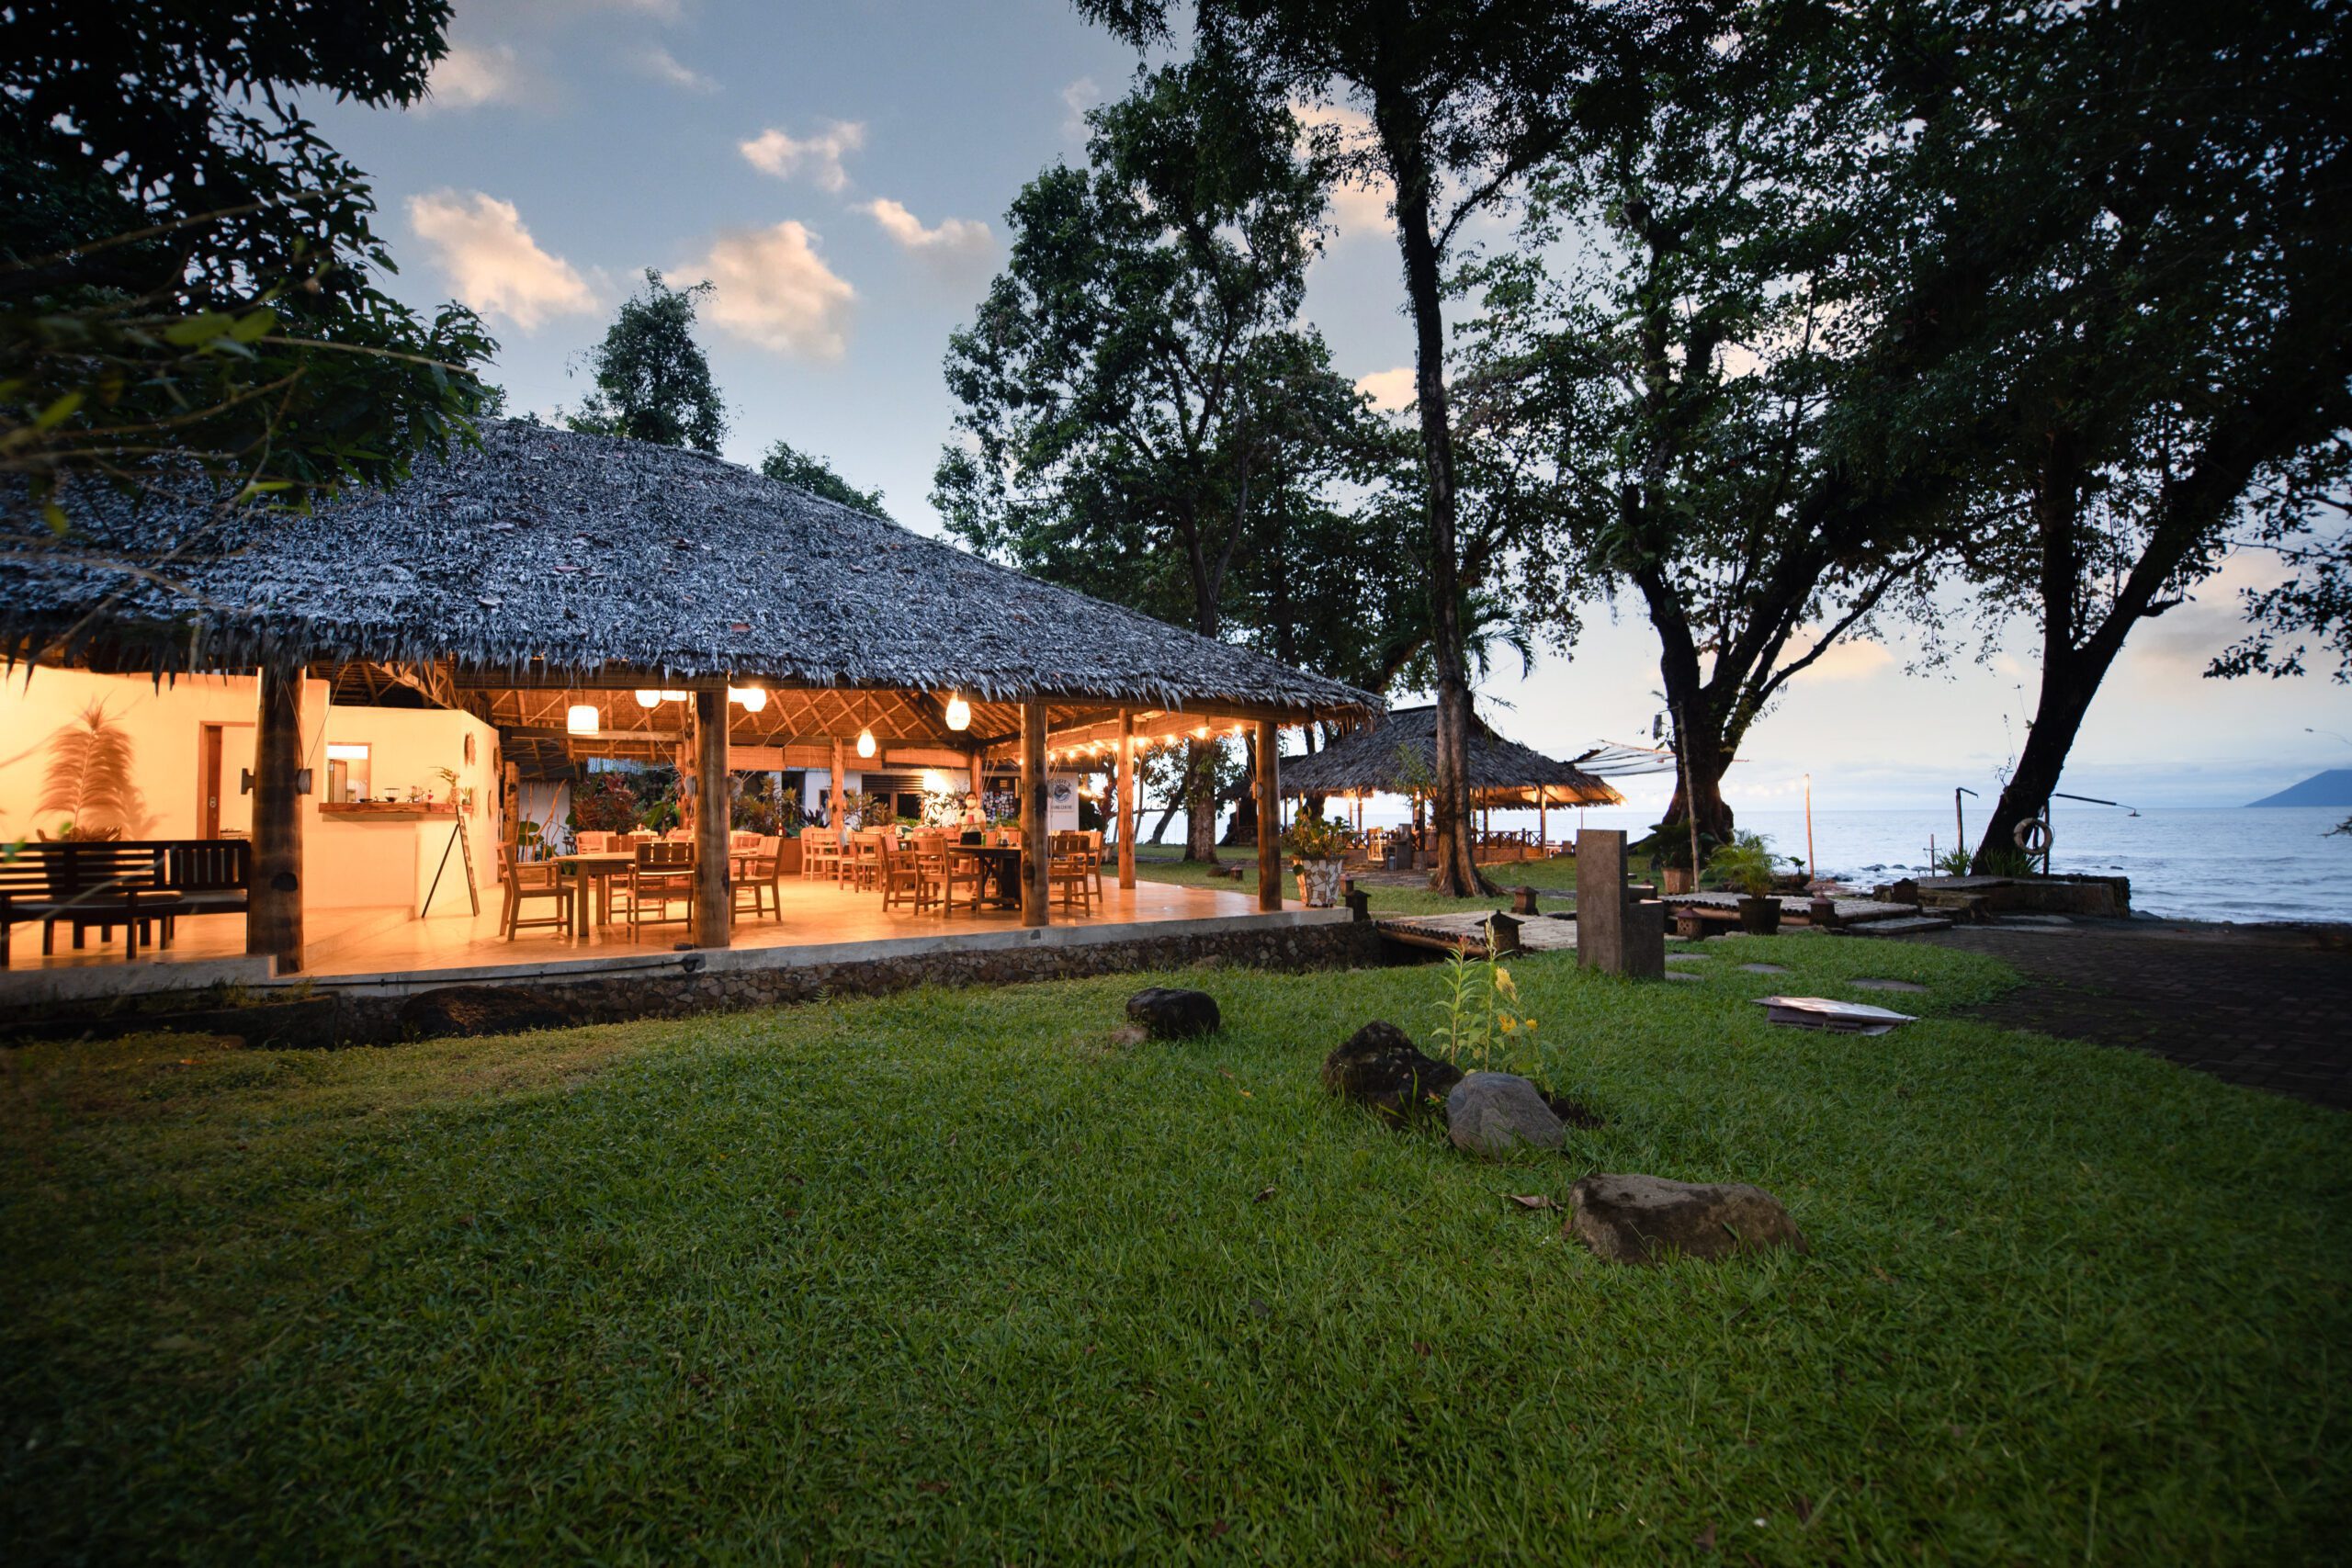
2272	1009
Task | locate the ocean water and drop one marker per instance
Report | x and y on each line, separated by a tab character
2211	863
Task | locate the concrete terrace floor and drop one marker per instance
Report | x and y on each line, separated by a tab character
2271	1008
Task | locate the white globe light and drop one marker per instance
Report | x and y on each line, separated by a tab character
754	699
581	719
645	699
865	743
959	714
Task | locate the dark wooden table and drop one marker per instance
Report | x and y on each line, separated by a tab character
1001	868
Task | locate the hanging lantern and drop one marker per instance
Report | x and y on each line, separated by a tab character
670	696
580	719
959	713
865	743
754	699
648	699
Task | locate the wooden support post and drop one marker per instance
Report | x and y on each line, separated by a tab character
835	819
273	906
1543	822
1127	794
1270	812
714	898
1038	886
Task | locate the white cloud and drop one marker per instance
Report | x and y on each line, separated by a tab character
1359	206
467	78
1391	391
1849	658
666	68
1078	97
770	287
956	246
772	152
493	263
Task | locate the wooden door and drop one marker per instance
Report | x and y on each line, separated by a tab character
225	752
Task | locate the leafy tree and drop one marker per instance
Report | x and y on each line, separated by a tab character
1465	97
816	477
187	268
2172	334
1139	403
652	380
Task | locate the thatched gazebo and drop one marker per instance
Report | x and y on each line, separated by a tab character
1396	754
547	581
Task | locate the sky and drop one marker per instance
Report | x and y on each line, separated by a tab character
840	173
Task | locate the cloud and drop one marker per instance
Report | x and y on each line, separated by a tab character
772	151
1849	658
666	68
1361	205
1391	391
467	78
493	263
958	245
1078	97
770	287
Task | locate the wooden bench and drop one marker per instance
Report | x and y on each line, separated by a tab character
137	883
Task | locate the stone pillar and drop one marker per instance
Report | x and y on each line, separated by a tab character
1037	886
1126	796
273	906
1270	816
714	900
1601	900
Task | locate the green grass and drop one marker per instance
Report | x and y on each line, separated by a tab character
1160	863
967	1275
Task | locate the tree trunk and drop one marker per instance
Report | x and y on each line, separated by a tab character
1200	801
1457	871
1708	759
1167	815
1242	832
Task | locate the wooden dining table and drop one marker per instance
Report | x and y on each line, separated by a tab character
597	869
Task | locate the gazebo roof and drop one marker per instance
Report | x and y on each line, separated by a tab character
1400	756
549	558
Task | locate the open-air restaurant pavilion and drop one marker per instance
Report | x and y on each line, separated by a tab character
344	742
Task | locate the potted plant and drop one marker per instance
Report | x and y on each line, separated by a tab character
1745	865
1317	849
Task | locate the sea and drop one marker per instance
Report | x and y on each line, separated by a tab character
2243	864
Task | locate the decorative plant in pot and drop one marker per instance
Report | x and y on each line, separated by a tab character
1317	849
1745	865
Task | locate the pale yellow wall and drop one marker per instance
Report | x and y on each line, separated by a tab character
346	864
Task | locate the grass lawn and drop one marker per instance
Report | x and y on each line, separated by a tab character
1161	864
962	1276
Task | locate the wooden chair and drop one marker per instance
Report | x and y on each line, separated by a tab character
528	880
664	876
763	879
592	843
1068	873
904	879
821	854
861	866
960	868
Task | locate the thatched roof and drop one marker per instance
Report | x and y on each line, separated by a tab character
1399	757
555	556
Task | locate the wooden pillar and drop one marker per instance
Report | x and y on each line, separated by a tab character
1126	793
273	906
1036	886
1543	821
1269	807
835	819
714	900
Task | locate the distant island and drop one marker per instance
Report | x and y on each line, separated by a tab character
2332	788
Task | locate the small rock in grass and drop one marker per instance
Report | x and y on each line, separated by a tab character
1380	1067
1888	986
1166	1013
1645	1219
1497	1115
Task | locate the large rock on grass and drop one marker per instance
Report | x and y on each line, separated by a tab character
1166	1013
1646	1219
1500	1116
487	1010
1381	1068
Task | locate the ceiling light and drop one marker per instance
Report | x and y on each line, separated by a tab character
865	743
581	719
645	699
754	699
959	714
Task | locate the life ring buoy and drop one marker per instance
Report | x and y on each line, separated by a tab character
2032	835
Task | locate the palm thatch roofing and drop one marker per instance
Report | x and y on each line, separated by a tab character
545	558
1399	756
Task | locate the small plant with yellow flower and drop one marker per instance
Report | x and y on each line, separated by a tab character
1481	1029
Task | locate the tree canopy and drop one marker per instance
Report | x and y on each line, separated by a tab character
815	475
652	380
